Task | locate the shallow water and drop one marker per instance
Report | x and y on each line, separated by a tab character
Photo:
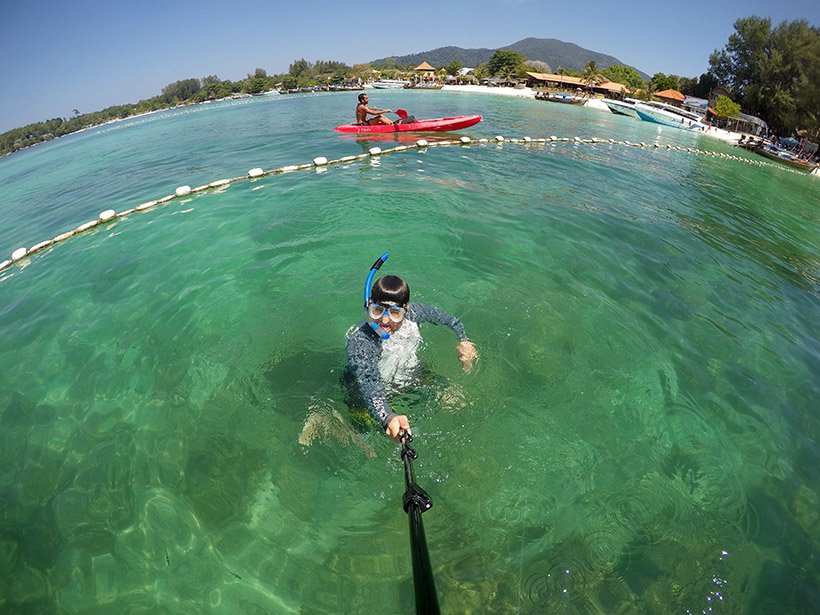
640	433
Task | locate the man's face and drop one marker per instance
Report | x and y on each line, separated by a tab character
387	315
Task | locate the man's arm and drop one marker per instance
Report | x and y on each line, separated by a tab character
420	312
362	357
465	350
372	111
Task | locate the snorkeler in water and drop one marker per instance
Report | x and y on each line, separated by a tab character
382	350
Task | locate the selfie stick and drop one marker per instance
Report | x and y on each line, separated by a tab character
416	501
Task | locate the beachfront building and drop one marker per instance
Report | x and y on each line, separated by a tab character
670	97
425	74
500	82
695	104
743	122
565	82
425	71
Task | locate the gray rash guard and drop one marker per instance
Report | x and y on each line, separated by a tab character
364	349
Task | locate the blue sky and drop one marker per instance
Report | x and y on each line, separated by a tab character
57	56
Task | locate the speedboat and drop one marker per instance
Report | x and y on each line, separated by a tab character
669	115
387	84
622	107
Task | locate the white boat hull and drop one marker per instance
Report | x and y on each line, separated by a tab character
389	84
667	118
620	108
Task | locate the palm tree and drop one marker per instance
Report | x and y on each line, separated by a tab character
591	75
561	71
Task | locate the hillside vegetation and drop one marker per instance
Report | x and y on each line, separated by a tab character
553	52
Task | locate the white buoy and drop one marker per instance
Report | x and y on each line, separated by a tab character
527	139
421	143
320	161
499	138
553	138
18	254
182	190
39	246
465	139
256	172
374	151
87	225
107	215
64	236
5	263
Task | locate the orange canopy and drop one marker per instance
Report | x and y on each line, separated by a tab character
671	94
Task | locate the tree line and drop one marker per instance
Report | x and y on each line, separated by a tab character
771	72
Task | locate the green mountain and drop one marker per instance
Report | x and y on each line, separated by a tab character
552	51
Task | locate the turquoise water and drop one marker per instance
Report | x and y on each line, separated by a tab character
640	434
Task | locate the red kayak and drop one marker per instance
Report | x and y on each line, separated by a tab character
440	124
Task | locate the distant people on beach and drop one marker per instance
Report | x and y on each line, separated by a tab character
362	111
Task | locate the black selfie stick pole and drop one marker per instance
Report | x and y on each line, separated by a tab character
416	501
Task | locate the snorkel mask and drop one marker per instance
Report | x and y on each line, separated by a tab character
367	286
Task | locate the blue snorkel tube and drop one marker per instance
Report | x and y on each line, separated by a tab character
367	285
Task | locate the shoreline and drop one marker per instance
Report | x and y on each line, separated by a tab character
526	92
484	89
594	103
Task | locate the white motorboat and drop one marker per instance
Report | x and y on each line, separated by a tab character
622	107
387	84
669	115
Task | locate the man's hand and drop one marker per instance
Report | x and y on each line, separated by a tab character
397	426
467	354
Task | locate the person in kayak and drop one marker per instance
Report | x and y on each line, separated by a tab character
381	352
362	111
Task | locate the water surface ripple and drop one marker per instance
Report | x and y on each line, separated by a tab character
640	434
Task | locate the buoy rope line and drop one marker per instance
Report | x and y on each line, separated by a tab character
320	162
